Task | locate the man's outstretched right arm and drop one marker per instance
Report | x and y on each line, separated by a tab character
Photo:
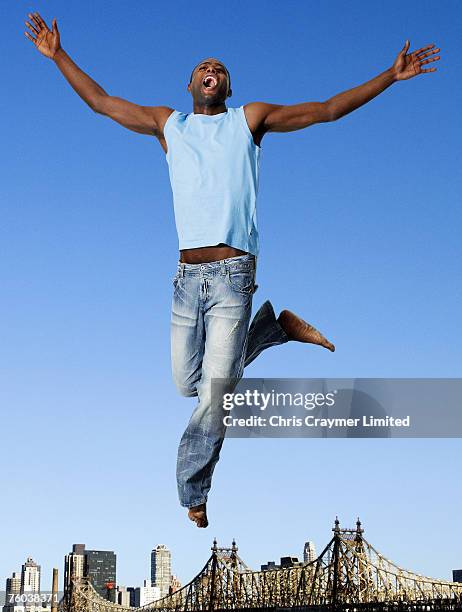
141	119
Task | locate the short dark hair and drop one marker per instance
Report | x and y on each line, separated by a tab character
227	72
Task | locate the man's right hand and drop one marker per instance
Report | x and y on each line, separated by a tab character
46	41
142	119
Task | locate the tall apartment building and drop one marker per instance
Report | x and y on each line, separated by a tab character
457	575
161	569
309	552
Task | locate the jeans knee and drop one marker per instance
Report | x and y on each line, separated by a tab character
186	390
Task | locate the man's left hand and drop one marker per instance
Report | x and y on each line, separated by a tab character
410	65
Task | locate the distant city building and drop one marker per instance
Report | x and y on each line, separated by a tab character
309	552
457	575
100	568
267	567
22	589
13	587
290	562
284	563
146	594
97	565
161	569
74	565
30	577
175	584
126	596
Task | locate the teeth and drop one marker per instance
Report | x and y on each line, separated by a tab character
210	81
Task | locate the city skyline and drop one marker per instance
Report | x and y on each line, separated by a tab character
297	581
136	596
75	567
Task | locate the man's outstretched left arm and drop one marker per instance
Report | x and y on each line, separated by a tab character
264	117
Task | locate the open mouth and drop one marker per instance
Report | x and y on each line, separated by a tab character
210	82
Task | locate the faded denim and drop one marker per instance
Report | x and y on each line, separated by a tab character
211	338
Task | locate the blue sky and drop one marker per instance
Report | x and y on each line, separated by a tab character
360	228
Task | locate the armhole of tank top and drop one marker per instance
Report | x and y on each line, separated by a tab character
167	123
245	125
166	133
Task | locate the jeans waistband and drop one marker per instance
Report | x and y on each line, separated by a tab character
222	266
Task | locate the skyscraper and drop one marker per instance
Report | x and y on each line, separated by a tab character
161	569
13	588
100	567
30	577
309	552
97	565
27	586
74	565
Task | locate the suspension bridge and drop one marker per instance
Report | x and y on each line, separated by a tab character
349	575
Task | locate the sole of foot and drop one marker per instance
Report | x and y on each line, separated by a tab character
198	515
299	330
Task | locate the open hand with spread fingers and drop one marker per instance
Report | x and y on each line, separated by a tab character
409	65
46	40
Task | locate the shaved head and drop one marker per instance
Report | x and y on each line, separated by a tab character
210	84
212	60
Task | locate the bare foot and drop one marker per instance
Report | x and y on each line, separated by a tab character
198	514
301	331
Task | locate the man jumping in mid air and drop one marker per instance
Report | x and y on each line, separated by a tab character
213	156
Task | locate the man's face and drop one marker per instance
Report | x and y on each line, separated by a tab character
209	83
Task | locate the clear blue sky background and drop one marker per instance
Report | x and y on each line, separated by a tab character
360	224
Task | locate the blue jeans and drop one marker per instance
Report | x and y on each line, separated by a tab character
211	338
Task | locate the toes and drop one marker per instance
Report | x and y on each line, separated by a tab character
200	518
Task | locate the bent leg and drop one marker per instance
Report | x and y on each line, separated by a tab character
264	331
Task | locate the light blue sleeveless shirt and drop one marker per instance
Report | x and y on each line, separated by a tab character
214	170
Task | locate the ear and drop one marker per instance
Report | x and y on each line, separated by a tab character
189	87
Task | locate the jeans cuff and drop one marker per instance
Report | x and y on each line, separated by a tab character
195	503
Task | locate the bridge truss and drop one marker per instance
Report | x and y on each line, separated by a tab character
349	575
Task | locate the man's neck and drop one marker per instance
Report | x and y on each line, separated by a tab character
203	109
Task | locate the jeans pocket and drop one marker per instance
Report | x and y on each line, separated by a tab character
242	281
176	281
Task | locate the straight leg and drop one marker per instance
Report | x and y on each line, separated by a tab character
211	339
226	320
